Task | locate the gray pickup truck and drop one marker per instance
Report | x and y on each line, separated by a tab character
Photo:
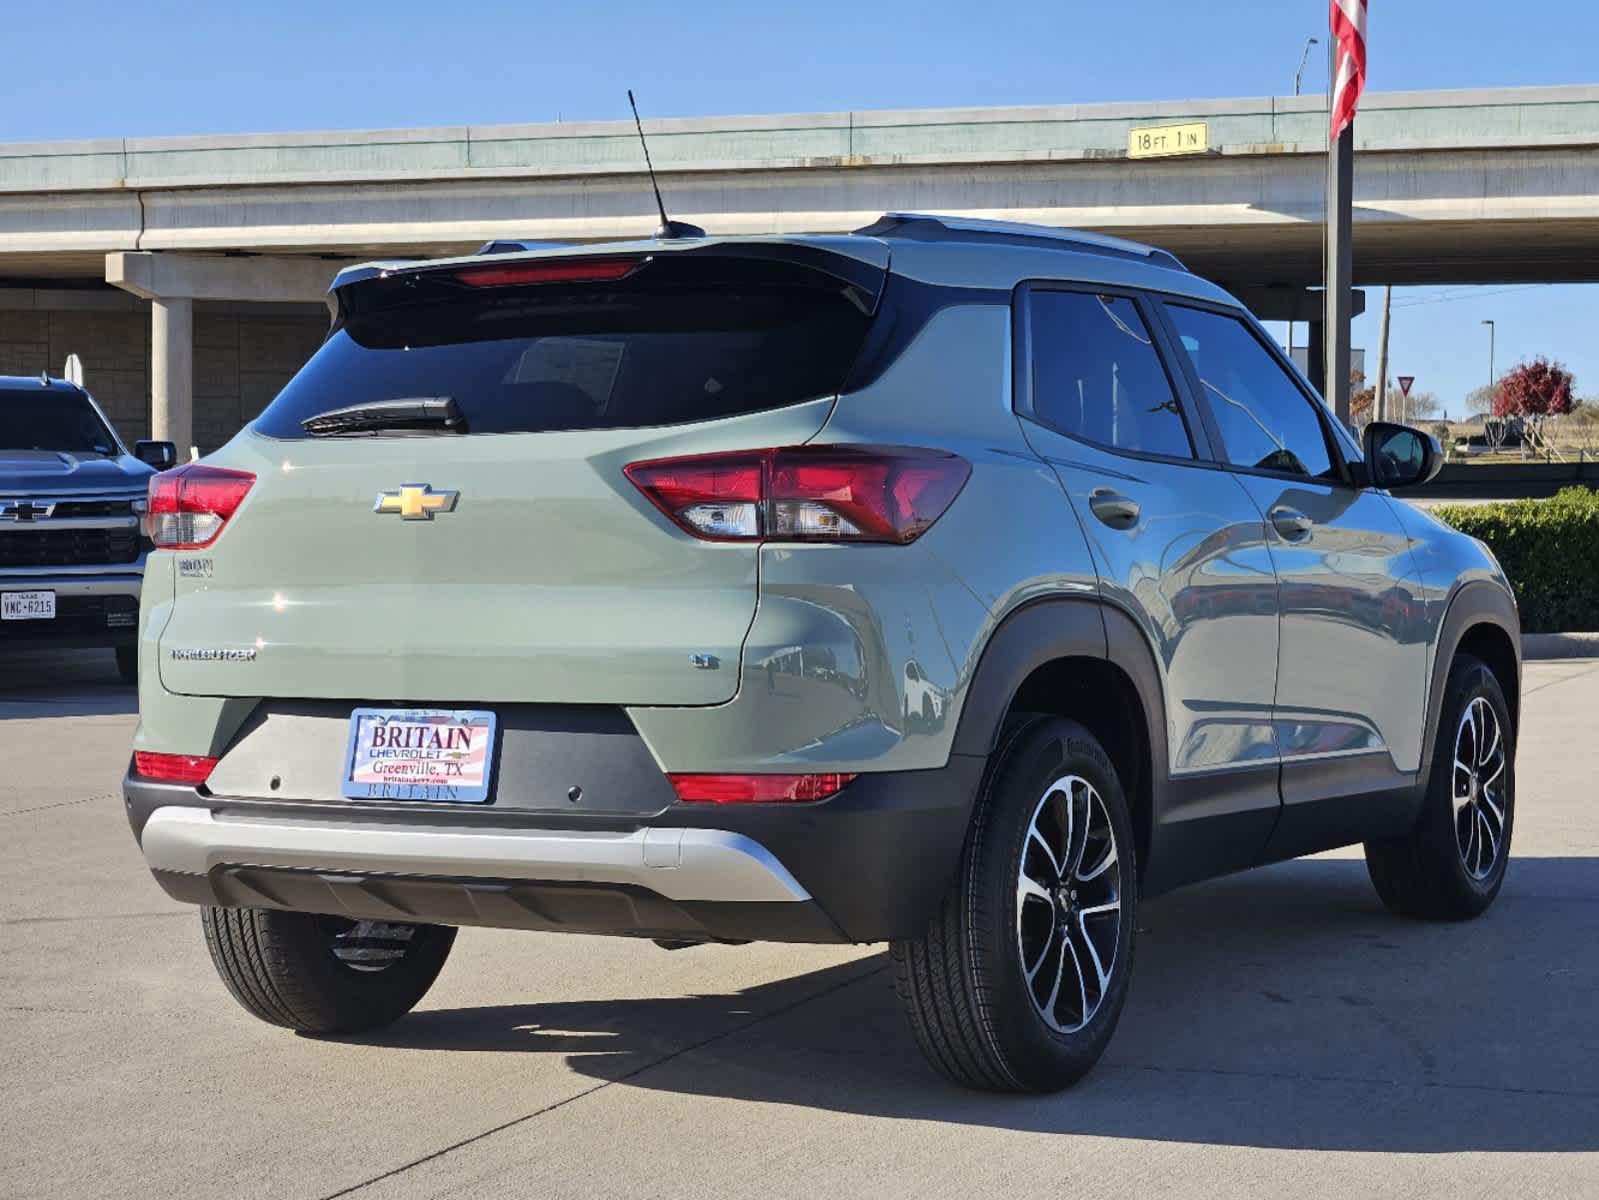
72	540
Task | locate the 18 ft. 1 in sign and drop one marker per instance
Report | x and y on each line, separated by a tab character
1158	141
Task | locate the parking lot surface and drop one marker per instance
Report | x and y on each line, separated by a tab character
1284	1036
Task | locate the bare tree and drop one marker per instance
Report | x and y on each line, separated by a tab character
1480	401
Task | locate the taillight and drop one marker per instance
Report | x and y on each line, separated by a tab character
590	270
805	493
172	768
189	506
756	789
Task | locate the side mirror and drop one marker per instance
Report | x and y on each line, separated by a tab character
163	456
1398	456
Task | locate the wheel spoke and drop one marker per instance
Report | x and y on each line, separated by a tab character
1077	843
1105	864
1486	753
1103	976
1028	888
1043	957
1498	770
1083	1011
1488	841
1060	974
1042	843
1493	809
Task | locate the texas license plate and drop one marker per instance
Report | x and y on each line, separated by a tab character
27	606
419	754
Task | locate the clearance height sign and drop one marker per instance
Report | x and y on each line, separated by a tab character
1161	141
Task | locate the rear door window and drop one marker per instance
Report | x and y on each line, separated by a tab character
1097	375
681	339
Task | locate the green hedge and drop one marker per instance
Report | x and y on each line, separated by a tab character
1550	551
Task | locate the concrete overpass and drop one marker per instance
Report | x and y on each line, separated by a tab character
1450	187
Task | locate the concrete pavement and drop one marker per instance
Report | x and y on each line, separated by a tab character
1284	1035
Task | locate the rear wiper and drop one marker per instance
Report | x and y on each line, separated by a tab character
422	414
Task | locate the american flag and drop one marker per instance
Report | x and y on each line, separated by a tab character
1349	67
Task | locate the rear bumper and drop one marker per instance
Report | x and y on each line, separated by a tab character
679	864
868	865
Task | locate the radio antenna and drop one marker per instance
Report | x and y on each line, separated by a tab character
668	227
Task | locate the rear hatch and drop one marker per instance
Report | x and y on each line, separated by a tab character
514	561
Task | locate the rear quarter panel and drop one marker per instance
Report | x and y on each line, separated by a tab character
860	657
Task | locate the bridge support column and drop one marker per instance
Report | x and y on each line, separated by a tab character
172	372
1316	360
172	283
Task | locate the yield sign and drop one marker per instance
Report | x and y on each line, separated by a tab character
1404	383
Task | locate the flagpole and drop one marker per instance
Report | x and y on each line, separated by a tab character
1339	296
1347	23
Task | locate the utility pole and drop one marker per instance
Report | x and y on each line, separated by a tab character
1379	404
1490	325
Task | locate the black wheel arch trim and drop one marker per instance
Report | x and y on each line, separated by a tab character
1040	632
1474	603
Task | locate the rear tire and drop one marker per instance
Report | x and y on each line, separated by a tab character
318	974
128	663
1019	980
1452	864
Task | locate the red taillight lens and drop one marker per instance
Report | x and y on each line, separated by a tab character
805	493
756	789
172	768
592	270
189	506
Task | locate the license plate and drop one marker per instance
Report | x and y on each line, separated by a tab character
419	754
27	606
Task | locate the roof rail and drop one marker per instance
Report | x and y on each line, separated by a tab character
932	227
518	246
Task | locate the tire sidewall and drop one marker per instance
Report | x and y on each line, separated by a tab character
1036	754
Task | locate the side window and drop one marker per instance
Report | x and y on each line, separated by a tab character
1266	422
1097	375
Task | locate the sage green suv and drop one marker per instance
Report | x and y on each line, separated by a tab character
950	584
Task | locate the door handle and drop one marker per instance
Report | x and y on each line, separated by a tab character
1291	523
1113	508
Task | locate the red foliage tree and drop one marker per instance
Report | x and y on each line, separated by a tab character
1539	388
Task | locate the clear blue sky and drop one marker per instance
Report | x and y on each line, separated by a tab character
77	69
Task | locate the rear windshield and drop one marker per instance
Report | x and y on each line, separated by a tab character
683	338
40	419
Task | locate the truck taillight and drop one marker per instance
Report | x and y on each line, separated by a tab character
805	493
189	506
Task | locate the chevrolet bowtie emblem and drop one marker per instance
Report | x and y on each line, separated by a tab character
416	501
26	510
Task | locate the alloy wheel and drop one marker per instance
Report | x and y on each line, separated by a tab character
1068	904
1480	798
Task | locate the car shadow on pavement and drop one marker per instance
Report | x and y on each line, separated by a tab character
62	683
1280	1008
